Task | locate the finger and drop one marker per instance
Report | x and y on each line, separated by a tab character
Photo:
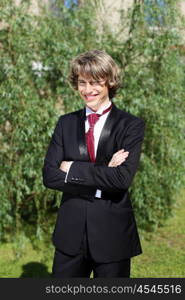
121	155
118	156
120	160
118	164
124	154
119	151
115	164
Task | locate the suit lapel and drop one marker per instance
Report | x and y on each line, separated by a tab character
81	136
108	127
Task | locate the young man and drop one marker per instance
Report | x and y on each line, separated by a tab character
92	157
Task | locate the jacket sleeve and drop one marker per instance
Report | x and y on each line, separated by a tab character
112	179
53	177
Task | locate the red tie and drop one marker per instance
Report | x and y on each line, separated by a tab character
92	119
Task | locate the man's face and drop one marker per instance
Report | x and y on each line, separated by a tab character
94	93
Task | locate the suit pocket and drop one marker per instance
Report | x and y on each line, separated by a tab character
111	206
119	209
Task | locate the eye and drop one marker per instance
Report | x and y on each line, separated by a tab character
81	82
94	83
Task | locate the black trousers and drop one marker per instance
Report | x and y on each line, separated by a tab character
81	265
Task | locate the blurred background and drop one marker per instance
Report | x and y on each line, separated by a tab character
38	39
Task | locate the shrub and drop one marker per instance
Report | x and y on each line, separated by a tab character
35	55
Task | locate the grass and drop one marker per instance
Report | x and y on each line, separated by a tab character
25	262
163	253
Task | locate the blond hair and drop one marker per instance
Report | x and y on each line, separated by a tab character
96	64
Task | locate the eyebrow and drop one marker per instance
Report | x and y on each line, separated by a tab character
92	80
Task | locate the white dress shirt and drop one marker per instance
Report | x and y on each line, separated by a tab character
97	130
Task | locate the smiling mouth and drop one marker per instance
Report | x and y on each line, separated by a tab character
90	97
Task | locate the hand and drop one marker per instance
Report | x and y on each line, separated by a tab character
118	158
65	165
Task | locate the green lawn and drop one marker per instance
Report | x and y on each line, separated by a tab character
163	253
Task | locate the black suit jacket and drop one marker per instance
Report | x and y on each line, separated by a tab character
111	226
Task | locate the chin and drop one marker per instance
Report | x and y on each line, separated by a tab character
93	106
91	103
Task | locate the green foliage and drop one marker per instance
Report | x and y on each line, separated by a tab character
153	88
35	52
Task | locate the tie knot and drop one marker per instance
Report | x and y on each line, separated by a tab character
93	118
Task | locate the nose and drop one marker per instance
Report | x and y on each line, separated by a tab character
88	88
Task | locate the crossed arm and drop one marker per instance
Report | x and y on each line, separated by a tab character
114	177
117	159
